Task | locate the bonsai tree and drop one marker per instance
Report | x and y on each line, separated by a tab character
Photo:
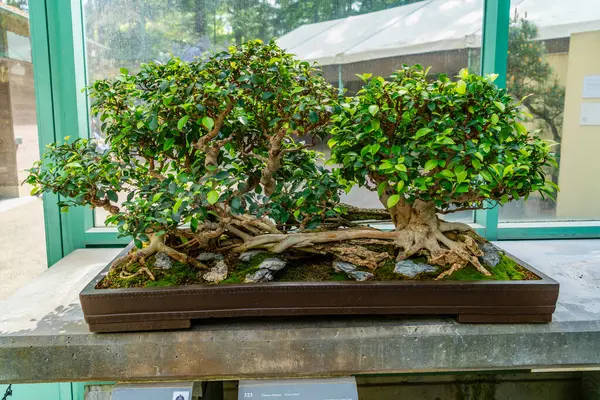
205	153
437	147
215	154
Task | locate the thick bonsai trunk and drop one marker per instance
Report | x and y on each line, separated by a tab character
424	232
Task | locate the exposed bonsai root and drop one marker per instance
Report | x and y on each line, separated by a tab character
157	244
278	243
423	234
261	224
364	214
454	226
359	255
126	275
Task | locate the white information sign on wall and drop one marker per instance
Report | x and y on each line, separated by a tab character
590	114
591	87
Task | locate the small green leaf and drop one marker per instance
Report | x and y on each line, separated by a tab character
431	164
373	109
494	118
461	87
267	95
444	140
500	106
521	128
385	165
364	77
243	119
375	124
380	188
461	176
153	123
400	186
476	163
168	144
365	150
422	132
157	197
178	204
331	142
375	148
464	73
447	173
464	188
112	196
167	100
300	201
486	175
182	121
124	71
393	200
401	167
212	197
194	224
471	109
313	117
504	199
208	122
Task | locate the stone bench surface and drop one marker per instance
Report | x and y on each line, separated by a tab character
43	336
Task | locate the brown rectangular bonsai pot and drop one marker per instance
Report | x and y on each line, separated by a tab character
158	308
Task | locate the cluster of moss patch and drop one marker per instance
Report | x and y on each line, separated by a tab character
506	270
178	274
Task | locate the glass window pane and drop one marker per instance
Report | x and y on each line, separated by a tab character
21	215
553	47
346	37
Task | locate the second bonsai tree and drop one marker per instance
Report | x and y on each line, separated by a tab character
215	154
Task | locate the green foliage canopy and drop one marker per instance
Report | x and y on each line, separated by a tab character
454	143
191	142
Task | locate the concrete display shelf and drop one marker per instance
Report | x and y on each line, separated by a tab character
43	336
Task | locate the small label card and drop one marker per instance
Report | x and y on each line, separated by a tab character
154	391
591	87
590	114
299	389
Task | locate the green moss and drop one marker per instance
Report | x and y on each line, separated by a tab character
385	272
339	276
178	274
303	267
506	270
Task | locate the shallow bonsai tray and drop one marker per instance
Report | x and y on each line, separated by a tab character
159	308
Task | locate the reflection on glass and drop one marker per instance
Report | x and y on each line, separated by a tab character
346	37
21	215
553	46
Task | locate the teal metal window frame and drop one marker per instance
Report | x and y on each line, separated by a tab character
58	52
